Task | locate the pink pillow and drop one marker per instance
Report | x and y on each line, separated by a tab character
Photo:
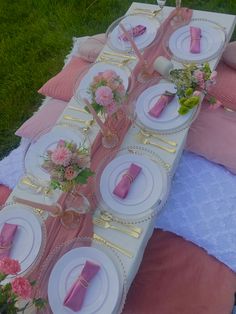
44	119
178	277
4	193
229	55
90	49
61	86
225	88
213	136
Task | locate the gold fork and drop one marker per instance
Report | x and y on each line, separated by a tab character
120	55
140	138
88	123
162	139
106	225
78	109
109	217
40	189
113	245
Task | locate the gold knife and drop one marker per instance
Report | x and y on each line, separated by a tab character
113	245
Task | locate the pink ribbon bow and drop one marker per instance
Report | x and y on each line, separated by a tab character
122	188
6	237
75	297
195	33
163	101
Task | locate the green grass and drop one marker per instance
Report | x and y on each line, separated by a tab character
35	37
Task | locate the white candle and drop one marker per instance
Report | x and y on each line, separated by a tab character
163	66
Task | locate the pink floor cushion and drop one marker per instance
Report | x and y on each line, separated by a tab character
61	86
90	49
177	277
4	193
225	90
213	136
42	120
229	55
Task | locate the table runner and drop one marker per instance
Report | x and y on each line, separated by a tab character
98	152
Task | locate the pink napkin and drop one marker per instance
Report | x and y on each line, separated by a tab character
75	297
122	188
163	101
6	237
195	34
136	31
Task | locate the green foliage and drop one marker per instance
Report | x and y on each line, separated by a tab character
35	37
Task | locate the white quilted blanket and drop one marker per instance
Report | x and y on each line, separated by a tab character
202	207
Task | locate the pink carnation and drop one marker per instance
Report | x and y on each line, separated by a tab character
9	266
70	173
109	75
22	287
104	95
199	75
61	156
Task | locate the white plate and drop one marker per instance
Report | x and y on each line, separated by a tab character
212	41
169	117
141	41
145	191
104	289
124	74
37	151
28	237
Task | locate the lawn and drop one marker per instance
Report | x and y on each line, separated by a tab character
35	37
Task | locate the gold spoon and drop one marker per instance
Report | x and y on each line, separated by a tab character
88	123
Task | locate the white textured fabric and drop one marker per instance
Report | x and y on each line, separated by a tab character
202	207
12	167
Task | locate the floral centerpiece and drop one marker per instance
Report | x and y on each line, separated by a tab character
107	92
18	289
67	165
190	82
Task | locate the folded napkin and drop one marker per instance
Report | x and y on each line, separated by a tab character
195	33
135	32
163	101
6	237
75	297
122	188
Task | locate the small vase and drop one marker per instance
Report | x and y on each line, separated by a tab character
110	139
76	204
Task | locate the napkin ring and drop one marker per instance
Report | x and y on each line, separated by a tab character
83	282
3	248
131	179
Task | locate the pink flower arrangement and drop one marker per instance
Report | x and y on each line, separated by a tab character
18	288
61	156
22	287
107	91
67	165
192	82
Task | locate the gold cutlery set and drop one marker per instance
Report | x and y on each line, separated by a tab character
119	59
148	12
106	220
143	137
